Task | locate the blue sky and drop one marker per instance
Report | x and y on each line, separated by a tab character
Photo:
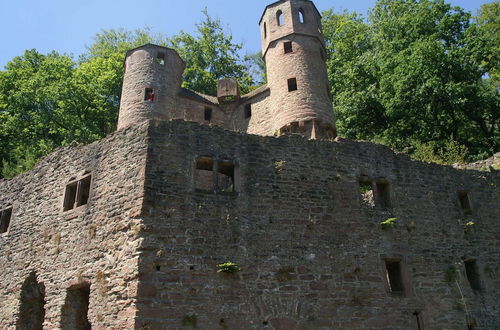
67	26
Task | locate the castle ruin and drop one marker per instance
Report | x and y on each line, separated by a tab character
245	212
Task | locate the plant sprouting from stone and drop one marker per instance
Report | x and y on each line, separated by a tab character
388	223
228	268
279	165
469	226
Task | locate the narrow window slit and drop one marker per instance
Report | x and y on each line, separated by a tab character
292	84
279	18
5	216
248	110
463	197
472	274
418	320
394	276
301	16
208	114
383	195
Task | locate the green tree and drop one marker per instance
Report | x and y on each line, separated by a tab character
488	22
412	74
210	56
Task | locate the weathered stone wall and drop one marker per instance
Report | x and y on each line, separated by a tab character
260	122
312	254
304	61
93	244
143	69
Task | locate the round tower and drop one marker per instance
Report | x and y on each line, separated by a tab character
293	48
153	76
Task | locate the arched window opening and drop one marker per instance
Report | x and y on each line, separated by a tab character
265	30
301	16
74	314
279	17
31	311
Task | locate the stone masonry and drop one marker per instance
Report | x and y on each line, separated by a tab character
131	232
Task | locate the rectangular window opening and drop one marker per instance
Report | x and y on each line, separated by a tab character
149	95
472	274
208	114
248	111
292	84
394	277
288	47
383	195
225	176
160	58
463	197
77	193
5	216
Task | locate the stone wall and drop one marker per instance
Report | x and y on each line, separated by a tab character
47	251
313	254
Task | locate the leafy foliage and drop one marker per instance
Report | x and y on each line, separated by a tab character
210	56
414	75
388	223
228	267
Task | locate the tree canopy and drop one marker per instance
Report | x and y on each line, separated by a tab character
416	75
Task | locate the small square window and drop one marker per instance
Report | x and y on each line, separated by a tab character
214	176
248	110
149	95
288	47
292	84
160	58
5	216
77	193
208	114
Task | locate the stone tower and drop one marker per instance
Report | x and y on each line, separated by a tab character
152	80
293	48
